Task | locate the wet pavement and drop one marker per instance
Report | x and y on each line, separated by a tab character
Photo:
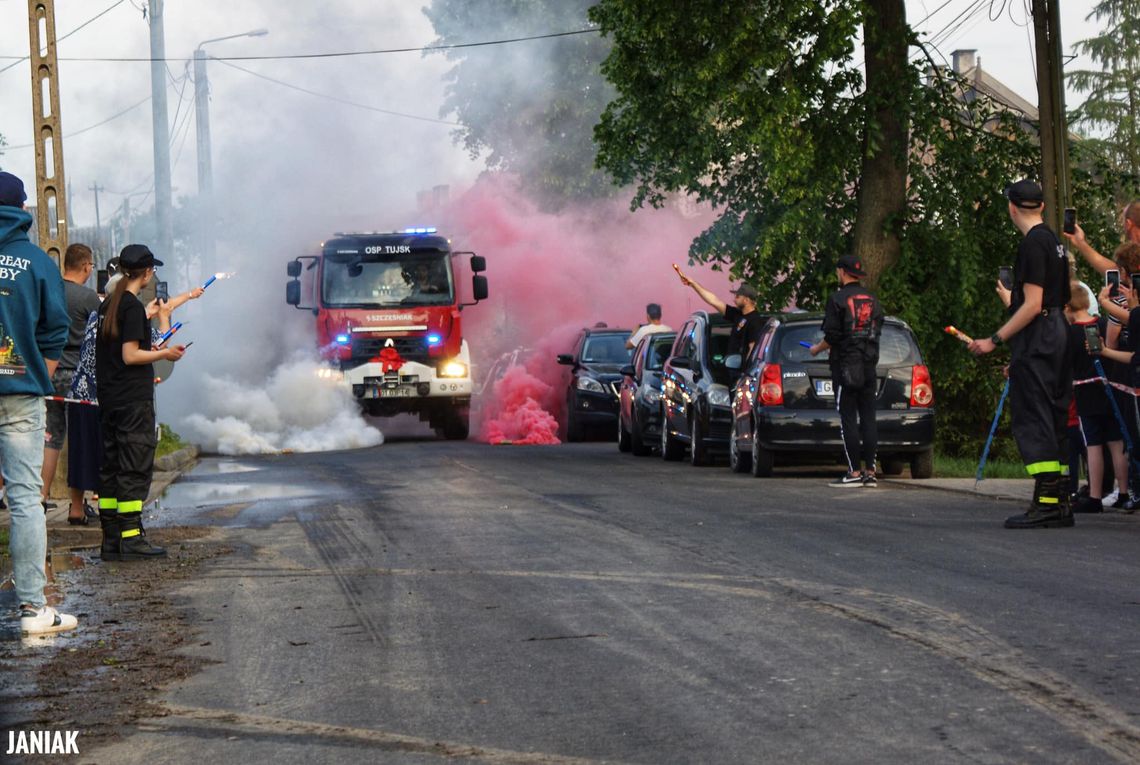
426	600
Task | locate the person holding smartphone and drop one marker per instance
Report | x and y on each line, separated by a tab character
1039	373
1097	428
124	375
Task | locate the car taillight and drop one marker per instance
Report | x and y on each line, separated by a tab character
771	385
921	388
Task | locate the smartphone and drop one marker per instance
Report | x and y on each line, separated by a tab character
161	292
101	279
1092	339
1112	279
1135	281
1070	224
1005	276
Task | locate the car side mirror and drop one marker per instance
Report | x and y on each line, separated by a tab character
733	362
628	371
293	267
566	359
681	362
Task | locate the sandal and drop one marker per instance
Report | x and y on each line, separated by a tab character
80	521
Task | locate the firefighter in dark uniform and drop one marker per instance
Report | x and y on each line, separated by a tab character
1040	379
852	325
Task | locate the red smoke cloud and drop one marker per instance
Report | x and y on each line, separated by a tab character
552	274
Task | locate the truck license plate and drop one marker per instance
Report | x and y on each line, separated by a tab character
393	392
823	389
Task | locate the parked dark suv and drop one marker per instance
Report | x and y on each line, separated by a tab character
784	407
595	375
639	423
696	396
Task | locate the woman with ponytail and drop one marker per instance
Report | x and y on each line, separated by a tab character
124	375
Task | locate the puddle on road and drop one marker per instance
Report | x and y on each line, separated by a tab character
223	467
59	560
199	494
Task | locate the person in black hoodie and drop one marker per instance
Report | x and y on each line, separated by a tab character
124	375
852	324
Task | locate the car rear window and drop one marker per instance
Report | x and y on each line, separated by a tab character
605	349
896	347
659	348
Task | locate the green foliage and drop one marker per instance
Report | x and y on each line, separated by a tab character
757	108
530	106
1112	107
168	441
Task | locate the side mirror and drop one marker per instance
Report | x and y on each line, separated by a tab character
479	288
293	291
478	264
566	359
293	267
628	371
733	362
681	362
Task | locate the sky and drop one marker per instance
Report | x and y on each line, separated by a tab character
353	157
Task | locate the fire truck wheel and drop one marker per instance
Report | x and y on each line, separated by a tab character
456	428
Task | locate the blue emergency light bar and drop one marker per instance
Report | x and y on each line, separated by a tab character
343	339
434	339
421	230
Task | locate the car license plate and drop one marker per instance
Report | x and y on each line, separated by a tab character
823	389
404	392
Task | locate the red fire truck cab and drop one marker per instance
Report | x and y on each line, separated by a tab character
389	322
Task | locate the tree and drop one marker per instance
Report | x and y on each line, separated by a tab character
531	106
1112	107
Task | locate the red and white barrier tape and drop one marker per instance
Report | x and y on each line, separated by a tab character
1119	386
65	400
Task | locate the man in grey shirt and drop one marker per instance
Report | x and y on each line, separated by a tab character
78	263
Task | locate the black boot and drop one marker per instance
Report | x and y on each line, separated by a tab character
132	543
1049	509
109	520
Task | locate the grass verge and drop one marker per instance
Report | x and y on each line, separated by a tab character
963	467
168	441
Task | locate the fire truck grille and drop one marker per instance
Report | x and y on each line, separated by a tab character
409	348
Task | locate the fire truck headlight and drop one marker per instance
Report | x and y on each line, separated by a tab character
453	369
328	373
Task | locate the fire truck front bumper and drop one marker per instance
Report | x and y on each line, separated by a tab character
412	380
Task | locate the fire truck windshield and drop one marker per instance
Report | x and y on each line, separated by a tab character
387	281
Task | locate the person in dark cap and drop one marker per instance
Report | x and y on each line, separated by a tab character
652	326
33	333
124	375
1040	377
747	323
852	324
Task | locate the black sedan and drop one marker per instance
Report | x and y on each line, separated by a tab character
595	376
783	406
695	391
639	423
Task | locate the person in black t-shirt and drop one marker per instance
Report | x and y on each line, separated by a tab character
124	374
852	325
1040	377
747	323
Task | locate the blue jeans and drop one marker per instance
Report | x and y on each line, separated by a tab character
21	460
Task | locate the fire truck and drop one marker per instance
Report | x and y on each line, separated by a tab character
389	322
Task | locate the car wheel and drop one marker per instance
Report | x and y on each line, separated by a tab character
893	466
573	425
739	463
672	450
698	449
625	444
763	460
922	464
637	442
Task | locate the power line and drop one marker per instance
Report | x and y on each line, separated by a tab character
89	127
343	54
69	34
336	98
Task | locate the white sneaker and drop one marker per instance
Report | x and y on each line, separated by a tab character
45	620
1109	499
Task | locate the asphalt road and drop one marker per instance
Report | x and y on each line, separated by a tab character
425	600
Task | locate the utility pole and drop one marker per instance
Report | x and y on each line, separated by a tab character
98	222
163	205
51	197
1051	108
206	216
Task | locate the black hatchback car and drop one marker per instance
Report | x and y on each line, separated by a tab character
639	423
784	406
595	376
696	398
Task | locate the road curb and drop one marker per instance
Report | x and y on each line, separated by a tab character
924	486
177	461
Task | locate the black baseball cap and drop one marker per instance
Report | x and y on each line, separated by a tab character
11	191
745	290
137	256
851	265
1025	194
